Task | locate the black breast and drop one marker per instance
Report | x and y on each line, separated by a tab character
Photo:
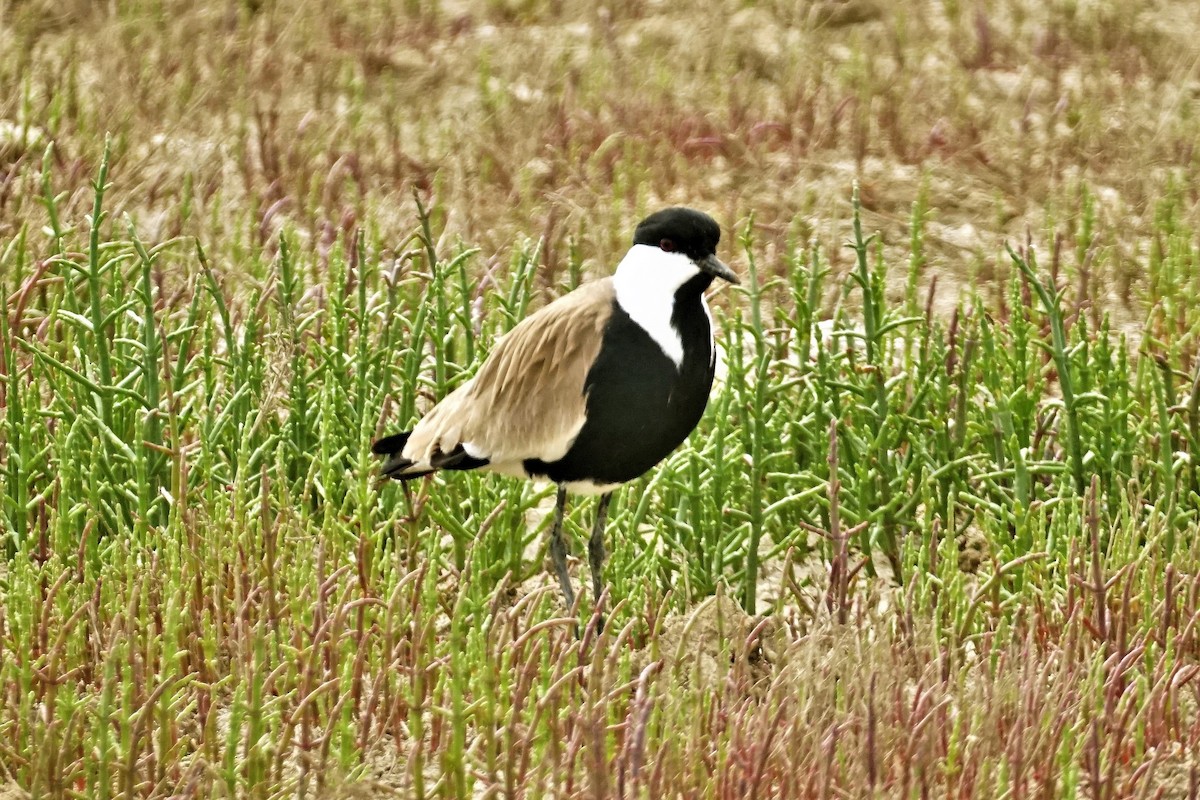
640	406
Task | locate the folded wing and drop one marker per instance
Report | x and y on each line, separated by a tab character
527	400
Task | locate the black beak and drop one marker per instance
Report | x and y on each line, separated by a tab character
715	267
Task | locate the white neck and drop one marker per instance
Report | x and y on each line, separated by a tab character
645	282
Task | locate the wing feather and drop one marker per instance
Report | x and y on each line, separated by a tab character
527	400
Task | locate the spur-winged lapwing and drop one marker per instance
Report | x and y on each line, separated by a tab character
592	390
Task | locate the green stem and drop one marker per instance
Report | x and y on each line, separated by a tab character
103	356
1050	302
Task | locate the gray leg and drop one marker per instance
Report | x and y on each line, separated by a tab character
596	545
596	552
558	548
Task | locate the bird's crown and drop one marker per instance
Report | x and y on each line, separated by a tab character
679	229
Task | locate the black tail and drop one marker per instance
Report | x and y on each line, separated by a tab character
457	459
389	445
396	465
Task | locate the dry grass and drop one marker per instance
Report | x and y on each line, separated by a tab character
563	121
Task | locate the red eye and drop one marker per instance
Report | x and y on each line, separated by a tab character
667	246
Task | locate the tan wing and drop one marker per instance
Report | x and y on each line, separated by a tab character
527	400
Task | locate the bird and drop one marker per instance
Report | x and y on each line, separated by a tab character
592	390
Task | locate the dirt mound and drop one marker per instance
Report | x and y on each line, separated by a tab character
717	641
9	790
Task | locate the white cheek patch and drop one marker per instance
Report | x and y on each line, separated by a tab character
645	284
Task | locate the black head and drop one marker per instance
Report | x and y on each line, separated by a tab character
682	230
687	231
